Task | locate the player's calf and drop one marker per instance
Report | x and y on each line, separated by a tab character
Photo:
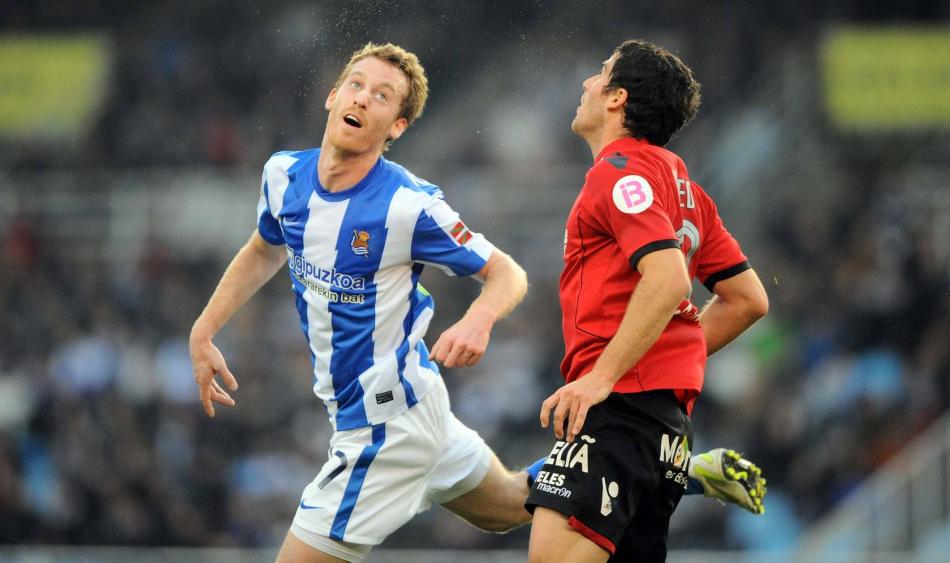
497	503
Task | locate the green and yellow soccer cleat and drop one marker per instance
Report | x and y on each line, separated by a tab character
727	476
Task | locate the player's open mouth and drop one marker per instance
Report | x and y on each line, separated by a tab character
352	120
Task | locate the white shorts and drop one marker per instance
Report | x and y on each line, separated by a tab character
379	477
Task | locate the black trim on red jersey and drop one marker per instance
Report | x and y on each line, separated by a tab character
618	161
652	247
717	277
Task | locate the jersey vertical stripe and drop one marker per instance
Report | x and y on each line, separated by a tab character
356	377
417	366
395	285
354	261
317	248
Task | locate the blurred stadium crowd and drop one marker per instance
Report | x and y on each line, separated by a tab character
101	437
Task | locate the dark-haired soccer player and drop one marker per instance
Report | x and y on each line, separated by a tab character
639	231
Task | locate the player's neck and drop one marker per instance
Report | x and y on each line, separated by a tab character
597	140
339	170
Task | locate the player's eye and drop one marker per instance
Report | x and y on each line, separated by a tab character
381	96
355	85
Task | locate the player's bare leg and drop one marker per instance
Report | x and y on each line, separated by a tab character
294	550
497	503
553	540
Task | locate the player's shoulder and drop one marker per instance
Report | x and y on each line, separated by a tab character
285	162
617	167
401	177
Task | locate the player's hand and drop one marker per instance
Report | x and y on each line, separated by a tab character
571	403
688	311
206	362
464	343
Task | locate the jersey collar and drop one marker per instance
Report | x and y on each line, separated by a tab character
620	145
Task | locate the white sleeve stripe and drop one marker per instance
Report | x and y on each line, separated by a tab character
445	269
275	174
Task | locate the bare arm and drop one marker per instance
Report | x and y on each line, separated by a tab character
465	342
251	268
738	302
664	283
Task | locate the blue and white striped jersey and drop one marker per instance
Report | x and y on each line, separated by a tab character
354	258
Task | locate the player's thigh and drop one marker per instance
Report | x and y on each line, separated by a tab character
497	503
376	478
554	540
463	461
645	539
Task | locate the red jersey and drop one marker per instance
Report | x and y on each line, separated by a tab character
638	198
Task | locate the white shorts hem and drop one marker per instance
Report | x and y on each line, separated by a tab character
350	538
353	551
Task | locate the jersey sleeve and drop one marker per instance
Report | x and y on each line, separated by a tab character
441	238
719	255
628	205
267	224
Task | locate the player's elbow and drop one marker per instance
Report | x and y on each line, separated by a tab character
745	295
677	285
519	278
758	306
681	286
756	302
503	267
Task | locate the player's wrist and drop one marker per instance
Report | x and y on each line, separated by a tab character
482	315
201	333
604	377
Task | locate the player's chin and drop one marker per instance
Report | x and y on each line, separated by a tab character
576	124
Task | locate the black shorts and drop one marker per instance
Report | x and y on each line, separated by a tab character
620	480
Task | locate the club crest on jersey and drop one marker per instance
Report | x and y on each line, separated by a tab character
633	194
460	233
360	243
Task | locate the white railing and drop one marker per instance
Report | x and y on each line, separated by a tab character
896	508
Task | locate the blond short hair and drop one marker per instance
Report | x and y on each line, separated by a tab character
408	63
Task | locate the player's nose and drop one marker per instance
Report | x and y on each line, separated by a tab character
361	98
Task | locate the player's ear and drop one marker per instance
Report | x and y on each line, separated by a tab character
617	98
398	128
330	97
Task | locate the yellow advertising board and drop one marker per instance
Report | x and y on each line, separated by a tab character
887	78
51	85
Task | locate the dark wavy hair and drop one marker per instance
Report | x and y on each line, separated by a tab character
662	95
